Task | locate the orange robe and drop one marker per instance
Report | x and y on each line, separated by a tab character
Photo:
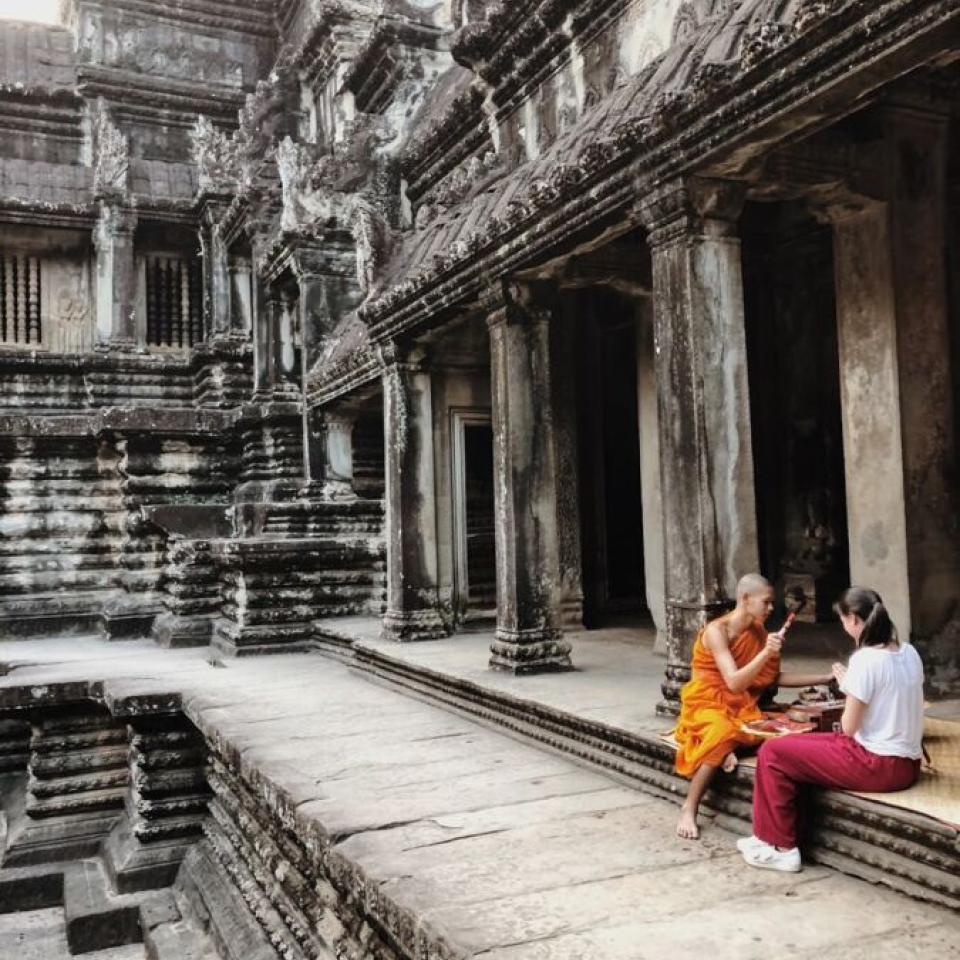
710	713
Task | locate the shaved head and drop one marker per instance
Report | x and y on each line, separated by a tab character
751	584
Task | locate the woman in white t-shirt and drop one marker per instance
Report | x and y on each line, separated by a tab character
878	750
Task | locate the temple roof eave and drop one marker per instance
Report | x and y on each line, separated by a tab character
667	122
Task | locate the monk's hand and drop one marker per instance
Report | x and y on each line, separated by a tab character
774	644
839	671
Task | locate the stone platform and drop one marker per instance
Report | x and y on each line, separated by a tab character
349	817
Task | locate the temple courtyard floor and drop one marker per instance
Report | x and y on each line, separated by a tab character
500	846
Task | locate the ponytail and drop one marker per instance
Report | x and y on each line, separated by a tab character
878	629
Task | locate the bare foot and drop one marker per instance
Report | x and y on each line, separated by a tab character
687	825
729	763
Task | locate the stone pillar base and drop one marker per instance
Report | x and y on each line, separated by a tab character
170	630
130	616
232	640
404	626
674	677
684	622
117	345
571	612
530	651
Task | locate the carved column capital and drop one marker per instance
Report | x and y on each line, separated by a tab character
834	207
395	355
115	221
521	302
692	206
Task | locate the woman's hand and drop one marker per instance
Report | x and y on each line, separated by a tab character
839	672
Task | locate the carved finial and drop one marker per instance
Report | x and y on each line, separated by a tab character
290	168
111	153
215	155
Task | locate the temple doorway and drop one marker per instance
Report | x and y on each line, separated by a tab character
611	508
474	541
795	403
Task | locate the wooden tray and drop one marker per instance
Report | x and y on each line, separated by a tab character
771	727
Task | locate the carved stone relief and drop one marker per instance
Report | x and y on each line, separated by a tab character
68	320
111	153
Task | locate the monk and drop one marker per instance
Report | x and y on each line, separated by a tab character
734	661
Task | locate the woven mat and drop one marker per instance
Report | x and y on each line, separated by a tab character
937	793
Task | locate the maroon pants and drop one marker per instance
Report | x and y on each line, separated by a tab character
825	759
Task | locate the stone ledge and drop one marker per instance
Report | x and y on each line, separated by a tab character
911	853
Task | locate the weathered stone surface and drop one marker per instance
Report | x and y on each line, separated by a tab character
236	235
709	512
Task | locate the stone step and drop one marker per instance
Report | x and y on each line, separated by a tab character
911	853
181	940
216	900
96	918
31	888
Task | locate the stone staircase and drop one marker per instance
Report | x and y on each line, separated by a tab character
61	910
60	530
911	853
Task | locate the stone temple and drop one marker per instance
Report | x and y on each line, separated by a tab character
423	320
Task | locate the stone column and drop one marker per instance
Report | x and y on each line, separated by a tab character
329	453
916	150
326	278
872	451
896	378
113	239
565	404
239	273
528	637
706	459
287	369
269	308
216	277
650	491
412	569
338	461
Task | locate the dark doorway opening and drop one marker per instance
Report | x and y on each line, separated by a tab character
795	402
609	456
479	526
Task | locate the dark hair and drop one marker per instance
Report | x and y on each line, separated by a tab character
878	628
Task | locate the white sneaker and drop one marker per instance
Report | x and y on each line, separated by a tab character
766	857
745	844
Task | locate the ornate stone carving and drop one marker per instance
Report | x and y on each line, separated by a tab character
263	120
813	11
371	233
712	76
694	13
215	155
762	41
466	178
111	153
70	313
